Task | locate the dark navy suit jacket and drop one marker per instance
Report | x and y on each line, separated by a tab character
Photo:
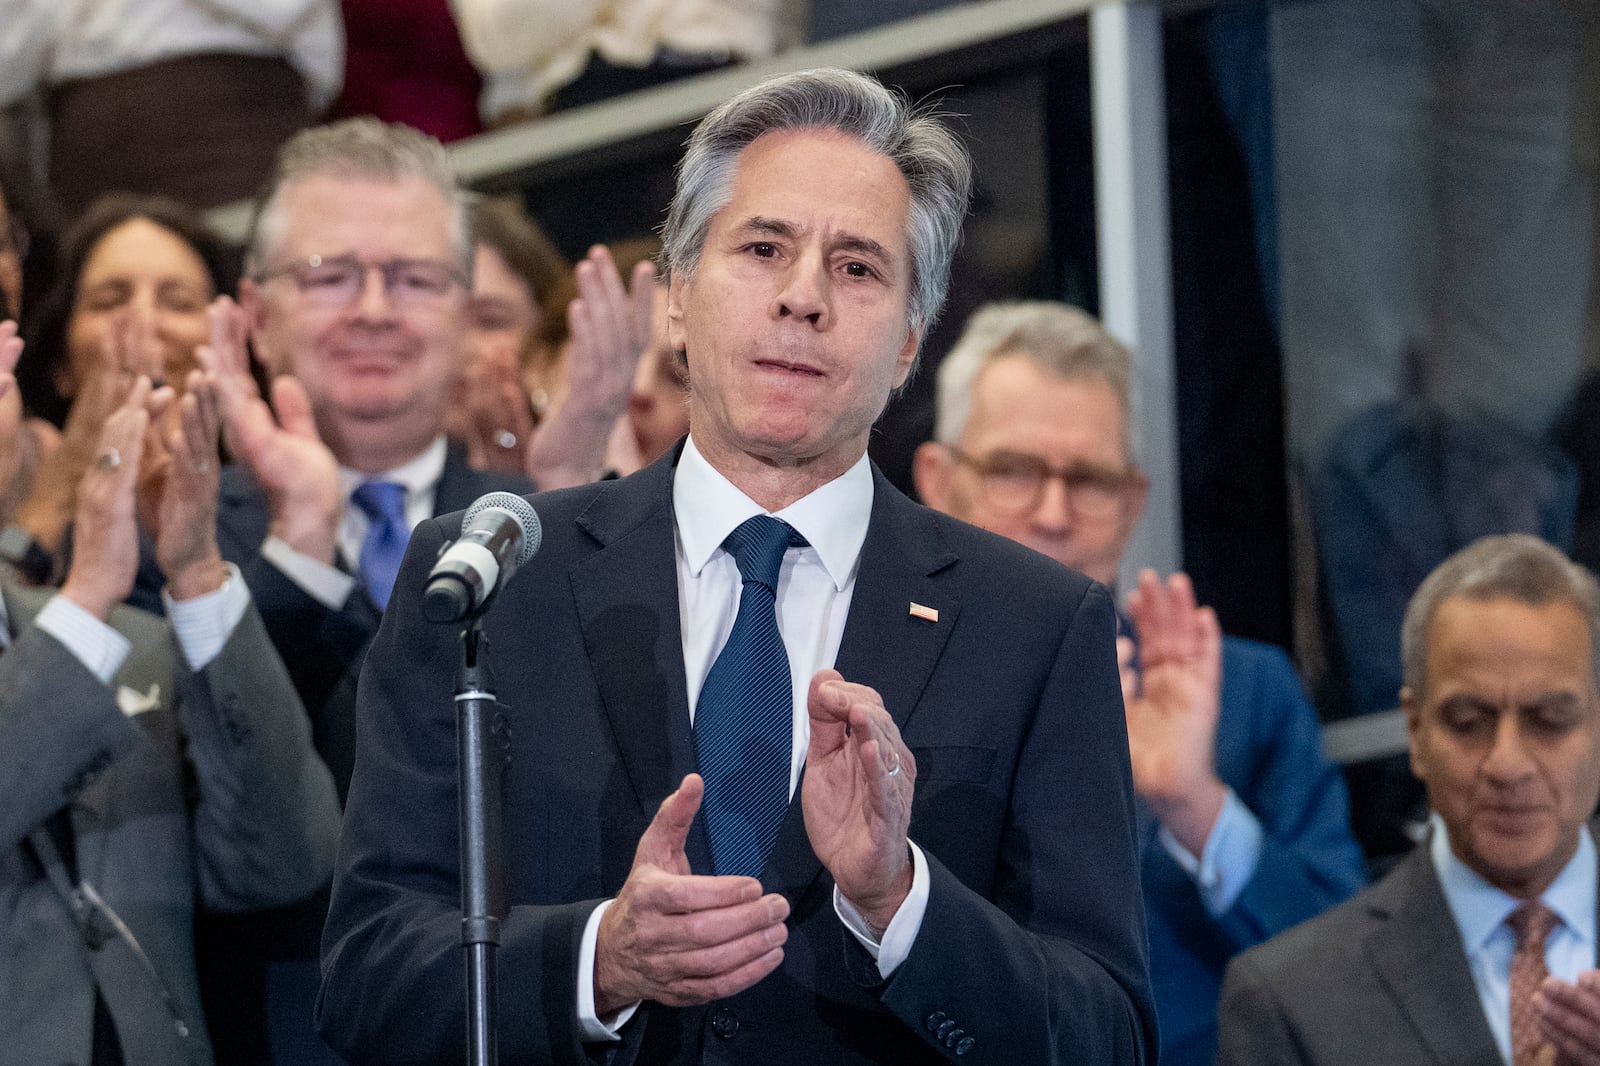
1033	943
1269	751
254	1022
322	647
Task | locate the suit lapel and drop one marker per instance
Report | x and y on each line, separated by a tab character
1416	951
459	484
627	602
884	646
147	664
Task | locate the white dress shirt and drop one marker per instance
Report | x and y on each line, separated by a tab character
815	586
202	625
328	583
1480	911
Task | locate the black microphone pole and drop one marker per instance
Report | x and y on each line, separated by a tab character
483	749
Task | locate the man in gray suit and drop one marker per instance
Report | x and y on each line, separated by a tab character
1479	948
149	766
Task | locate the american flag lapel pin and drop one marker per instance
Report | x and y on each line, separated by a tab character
924	612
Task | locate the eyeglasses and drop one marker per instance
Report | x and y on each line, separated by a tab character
338	280
1014	482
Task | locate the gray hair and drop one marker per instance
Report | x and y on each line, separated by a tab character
1057	338
1514	566
364	149
928	155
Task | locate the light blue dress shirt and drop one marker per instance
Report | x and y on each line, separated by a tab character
1480	910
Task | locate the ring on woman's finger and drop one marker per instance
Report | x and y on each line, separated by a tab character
108	459
506	439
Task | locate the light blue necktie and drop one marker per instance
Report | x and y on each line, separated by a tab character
384	504
744	719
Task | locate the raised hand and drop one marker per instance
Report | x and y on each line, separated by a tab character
105	540
1173	701
1569	1016
185	511
679	938
13	432
121	357
856	795
610	326
286	455
495	419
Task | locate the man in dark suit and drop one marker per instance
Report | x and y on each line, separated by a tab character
356	299
151	767
1479	947
926	853
1243	824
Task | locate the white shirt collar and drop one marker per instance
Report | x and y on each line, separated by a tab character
707	507
1480	909
418	475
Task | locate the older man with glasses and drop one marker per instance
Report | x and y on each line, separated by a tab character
1244	827
356	300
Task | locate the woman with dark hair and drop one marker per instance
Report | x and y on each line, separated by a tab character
145	258
136	275
551	351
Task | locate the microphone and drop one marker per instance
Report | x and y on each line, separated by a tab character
499	533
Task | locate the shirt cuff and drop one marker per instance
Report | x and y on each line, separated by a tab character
592	1029
892	950
1228	860
204	624
96	645
325	583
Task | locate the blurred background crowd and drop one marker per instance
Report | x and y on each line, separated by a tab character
1386	323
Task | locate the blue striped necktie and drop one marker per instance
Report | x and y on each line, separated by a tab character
384	504
744	718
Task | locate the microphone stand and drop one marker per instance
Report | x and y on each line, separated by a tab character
483	751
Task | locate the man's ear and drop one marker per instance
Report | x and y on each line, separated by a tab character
254	307
1133	503
677	336
930	472
1412	706
906	361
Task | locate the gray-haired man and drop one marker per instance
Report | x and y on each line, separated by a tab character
1480	946
927	854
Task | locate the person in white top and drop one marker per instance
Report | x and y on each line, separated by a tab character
528	50
188	98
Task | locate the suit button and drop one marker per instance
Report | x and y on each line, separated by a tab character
724	1023
944	1028
954	1035
965	1045
933	1020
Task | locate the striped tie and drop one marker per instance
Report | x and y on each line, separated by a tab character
744	719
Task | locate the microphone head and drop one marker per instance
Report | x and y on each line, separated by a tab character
520	509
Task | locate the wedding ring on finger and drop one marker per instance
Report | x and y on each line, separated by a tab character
896	771
108	460
506	439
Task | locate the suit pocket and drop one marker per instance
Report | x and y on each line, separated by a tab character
954	764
